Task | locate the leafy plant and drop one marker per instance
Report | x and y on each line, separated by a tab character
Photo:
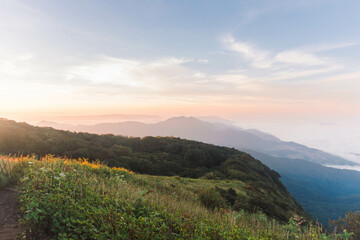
68	199
349	225
212	199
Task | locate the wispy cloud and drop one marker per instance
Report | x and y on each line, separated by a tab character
298	74
298	63
203	60
258	58
329	46
149	75
298	57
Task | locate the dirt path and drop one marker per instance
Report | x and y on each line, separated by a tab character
9	214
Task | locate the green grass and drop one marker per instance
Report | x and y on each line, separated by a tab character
162	156
65	199
10	169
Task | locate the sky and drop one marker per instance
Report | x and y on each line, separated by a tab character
290	68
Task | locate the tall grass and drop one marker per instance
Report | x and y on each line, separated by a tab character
63	198
182	195
10	169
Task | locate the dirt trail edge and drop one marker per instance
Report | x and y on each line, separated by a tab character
9	214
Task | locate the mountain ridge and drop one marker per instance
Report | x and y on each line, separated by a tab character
226	135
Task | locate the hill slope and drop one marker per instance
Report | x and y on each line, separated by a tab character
91	201
324	192
160	156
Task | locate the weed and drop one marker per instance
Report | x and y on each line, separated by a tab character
75	199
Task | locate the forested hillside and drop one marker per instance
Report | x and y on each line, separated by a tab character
86	200
161	156
326	193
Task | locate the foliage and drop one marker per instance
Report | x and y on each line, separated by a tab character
10	169
326	193
68	199
211	199
350	223
159	156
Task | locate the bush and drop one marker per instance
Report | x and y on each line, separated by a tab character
69	200
121	150
350	223
229	195
212	199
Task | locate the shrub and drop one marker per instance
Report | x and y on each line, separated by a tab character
212	199
350	223
63	199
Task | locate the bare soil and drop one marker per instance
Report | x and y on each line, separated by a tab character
9	214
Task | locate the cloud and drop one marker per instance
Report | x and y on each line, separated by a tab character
133	77
264	59
329	46
167	78
17	67
285	65
289	74
297	74
258	58
203	60
298	57
199	75
104	70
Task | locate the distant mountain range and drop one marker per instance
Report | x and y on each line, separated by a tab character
105	118
214	133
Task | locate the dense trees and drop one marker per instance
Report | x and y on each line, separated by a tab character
156	156
350	223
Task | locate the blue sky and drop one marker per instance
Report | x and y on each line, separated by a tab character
257	62
192	28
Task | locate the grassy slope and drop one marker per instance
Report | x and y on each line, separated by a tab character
258	187
73	200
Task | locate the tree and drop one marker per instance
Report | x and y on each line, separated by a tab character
350	223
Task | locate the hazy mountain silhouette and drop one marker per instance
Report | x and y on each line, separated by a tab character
214	133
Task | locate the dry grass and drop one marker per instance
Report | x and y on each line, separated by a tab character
10	169
174	195
180	195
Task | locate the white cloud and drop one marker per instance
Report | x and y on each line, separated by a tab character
117	72
328	46
108	75
288	74
287	64
264	59
258	58
199	75
104	70
203	60
298	57
16	67
296	73
26	57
